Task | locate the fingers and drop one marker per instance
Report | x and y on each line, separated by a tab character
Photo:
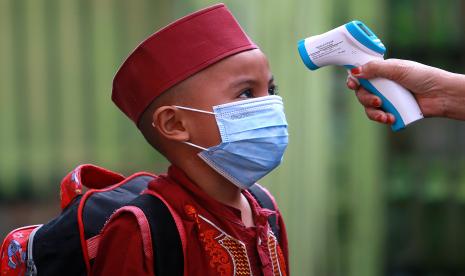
367	99
379	116
351	81
390	119
351	84
394	69
372	104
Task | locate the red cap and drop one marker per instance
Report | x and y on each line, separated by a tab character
175	53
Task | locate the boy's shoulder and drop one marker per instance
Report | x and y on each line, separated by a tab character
124	246
148	228
131	226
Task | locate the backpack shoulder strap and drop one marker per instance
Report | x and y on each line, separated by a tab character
166	241
266	201
97	205
167	238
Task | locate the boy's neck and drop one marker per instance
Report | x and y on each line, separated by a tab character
217	187
213	183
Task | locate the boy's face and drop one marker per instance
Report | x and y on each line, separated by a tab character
239	77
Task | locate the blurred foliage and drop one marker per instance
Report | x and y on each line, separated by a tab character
358	199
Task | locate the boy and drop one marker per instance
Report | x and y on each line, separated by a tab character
202	94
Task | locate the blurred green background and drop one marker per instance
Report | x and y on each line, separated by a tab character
358	199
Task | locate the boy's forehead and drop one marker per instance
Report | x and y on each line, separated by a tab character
175	53
252	59
247	66
219	83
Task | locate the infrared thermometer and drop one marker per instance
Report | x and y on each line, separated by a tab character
352	45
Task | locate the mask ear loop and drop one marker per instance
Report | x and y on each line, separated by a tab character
187	143
189	109
195	110
194	145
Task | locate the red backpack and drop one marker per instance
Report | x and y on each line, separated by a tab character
68	244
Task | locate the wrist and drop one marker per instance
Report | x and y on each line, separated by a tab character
453	95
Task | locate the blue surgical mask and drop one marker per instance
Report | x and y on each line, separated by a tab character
253	139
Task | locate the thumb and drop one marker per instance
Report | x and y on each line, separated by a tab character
393	69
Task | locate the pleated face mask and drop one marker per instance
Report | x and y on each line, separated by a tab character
253	139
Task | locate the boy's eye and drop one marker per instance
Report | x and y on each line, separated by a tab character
273	90
246	94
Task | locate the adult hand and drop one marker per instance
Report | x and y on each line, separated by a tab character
438	92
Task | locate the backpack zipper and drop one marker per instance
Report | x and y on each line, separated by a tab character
31	269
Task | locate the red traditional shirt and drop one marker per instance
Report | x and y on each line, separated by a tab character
217	241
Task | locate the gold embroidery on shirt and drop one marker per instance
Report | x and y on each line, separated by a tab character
238	253
219	258
273	249
219	245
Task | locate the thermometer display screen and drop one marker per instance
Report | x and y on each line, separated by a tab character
365	29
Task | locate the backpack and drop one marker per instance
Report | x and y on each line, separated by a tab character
69	243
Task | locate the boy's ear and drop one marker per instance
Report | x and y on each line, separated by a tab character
170	123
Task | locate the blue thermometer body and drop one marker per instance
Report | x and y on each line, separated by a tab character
352	45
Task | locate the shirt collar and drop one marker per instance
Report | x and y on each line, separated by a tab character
260	215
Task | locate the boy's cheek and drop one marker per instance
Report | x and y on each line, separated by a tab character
204	131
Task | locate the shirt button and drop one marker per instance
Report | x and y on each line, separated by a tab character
259	241
190	211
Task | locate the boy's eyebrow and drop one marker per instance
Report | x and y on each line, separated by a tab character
247	80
